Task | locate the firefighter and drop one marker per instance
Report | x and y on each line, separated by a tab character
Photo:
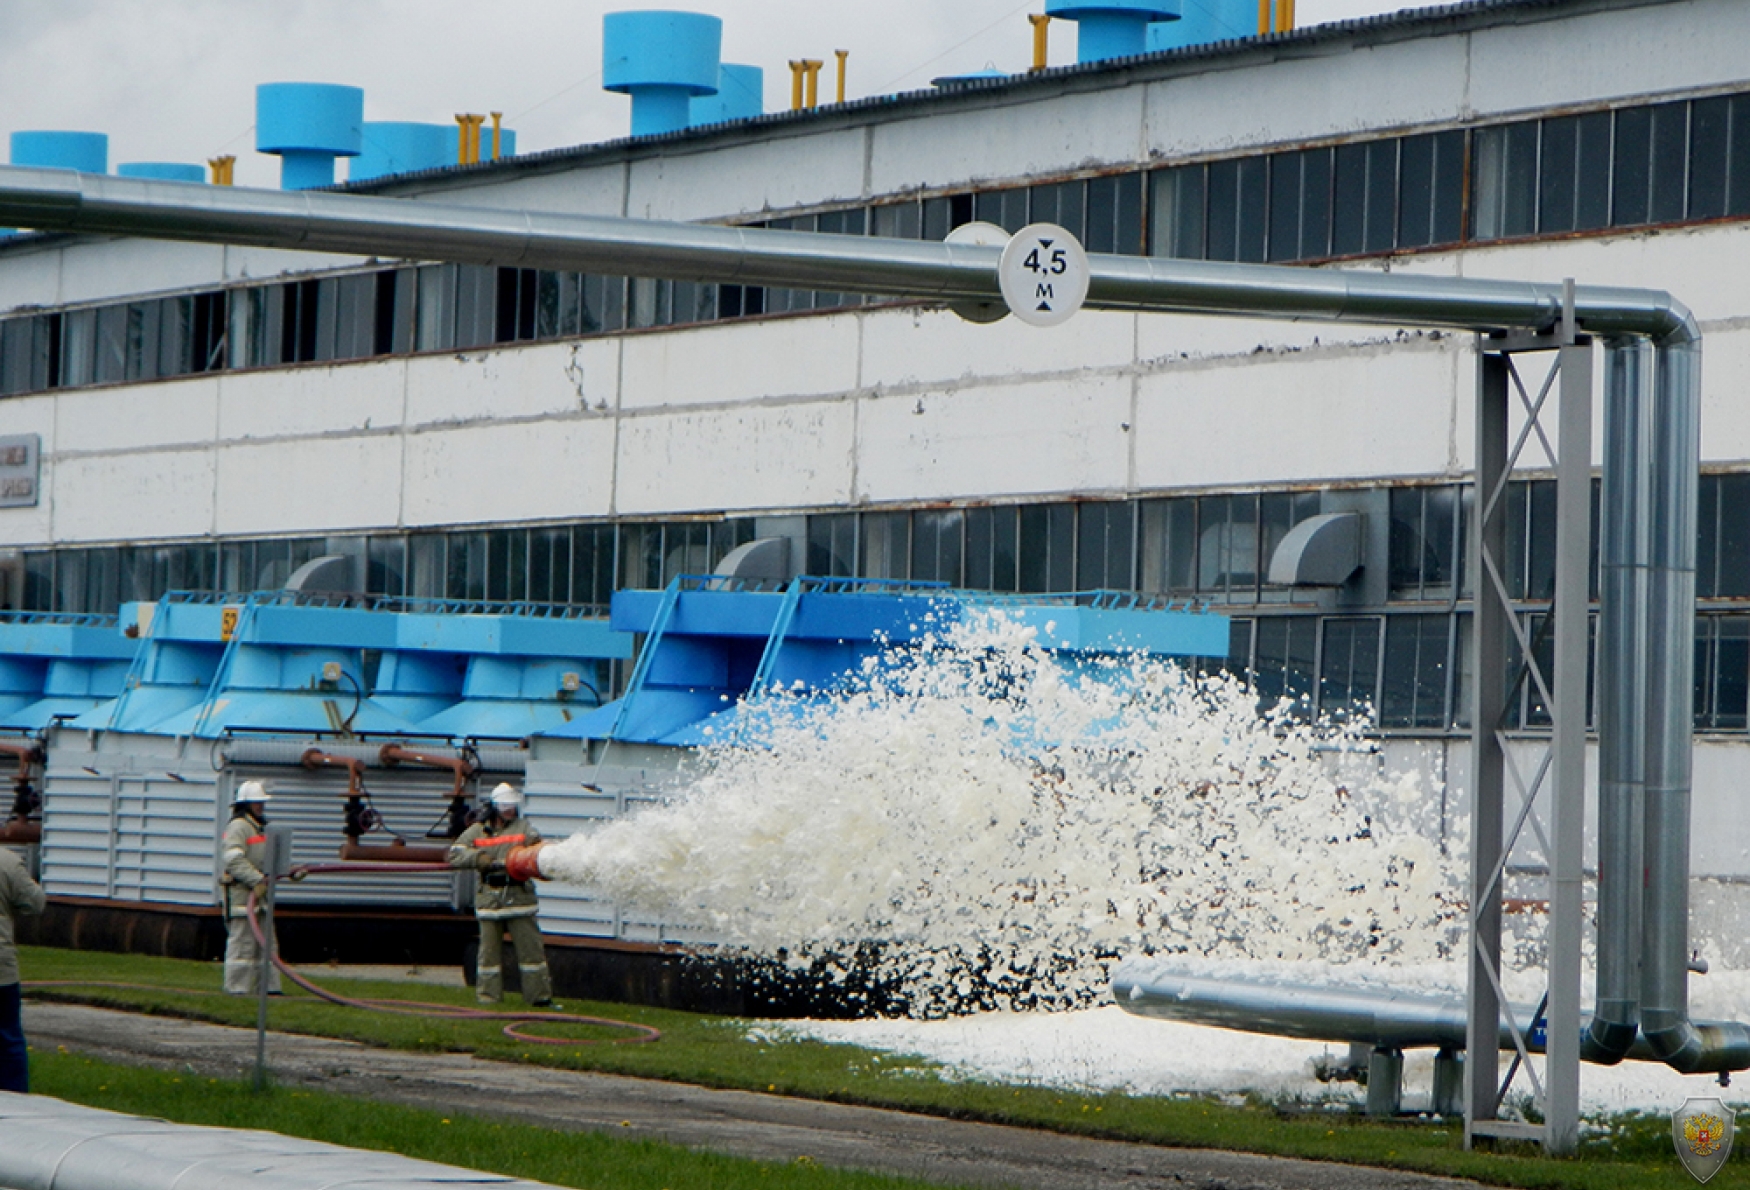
19	896
243	868
501	904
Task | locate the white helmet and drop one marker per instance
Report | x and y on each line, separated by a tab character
505	799
251	791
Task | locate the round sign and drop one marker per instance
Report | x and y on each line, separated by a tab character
1044	275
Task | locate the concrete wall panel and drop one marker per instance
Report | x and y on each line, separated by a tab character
1016	139
311	486
529	471
907	348
1384	411
140	416
314	399
746	458
774	173
781	357
136	497
537	380
1052	436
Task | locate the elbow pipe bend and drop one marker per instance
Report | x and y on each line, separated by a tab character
1690	1048
1607	1042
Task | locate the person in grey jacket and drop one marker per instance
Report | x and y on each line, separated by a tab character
19	896
501	904
242	862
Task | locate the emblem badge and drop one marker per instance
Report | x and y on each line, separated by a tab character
1702	1130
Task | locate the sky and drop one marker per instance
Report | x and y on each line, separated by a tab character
173	80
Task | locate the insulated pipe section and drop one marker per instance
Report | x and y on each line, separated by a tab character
51	200
1625	555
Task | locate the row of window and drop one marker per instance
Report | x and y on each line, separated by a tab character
1651	164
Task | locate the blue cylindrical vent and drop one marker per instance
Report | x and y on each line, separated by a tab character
402	147
308	125
163	171
662	60
87	152
1206	21
741	95
1112	28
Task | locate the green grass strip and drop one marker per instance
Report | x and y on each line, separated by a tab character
589	1160
1621	1153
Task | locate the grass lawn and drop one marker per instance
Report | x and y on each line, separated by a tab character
585	1159
716	1051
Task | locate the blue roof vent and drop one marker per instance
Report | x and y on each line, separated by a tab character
1204	22
741	95
163	171
402	147
662	60
308	125
87	152
1112	28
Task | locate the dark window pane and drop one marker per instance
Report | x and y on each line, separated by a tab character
1222	230
1707	537
1102	215
1285	192
1732	673
1734	536
1315	204
1738	167
936	546
1253	205
1382	188
1592	173
1556	175
1349	201
1630	180
1416	192
1709	134
1104	545
1177	206
1448	187
1440	540
1169	546
1349	667
899	221
1405	542
886	545
1283	660
1670	161
1541	557
1414	689
832	545
1129	231
1504	191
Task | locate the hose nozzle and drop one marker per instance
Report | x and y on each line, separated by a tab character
523	863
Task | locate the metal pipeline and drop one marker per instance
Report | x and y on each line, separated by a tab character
459	766
58	200
397	851
316	758
246	750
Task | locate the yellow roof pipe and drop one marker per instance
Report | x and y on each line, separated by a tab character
1275	16
842	55
1041	38
223	170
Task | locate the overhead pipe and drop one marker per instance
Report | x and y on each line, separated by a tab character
315	758
250	751
367	225
1656	609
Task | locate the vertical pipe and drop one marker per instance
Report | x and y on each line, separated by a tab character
1624	552
497	134
1568	743
1488	700
796	85
1041	39
841	55
1674	451
811	68
1266	18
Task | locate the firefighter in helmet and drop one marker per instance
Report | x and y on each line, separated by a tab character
503	905
243	868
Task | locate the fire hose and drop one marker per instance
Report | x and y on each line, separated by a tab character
516	1022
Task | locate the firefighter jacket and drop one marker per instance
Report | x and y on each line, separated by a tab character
482	848
19	896
242	860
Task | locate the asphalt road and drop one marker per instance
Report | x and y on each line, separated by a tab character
766	1127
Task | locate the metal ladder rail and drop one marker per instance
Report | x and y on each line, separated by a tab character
762	675
671	596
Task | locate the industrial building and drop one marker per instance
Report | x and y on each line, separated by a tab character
188	418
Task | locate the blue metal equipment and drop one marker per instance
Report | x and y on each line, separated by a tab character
1203	22
308	125
662	60
163	171
1112	28
87	152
